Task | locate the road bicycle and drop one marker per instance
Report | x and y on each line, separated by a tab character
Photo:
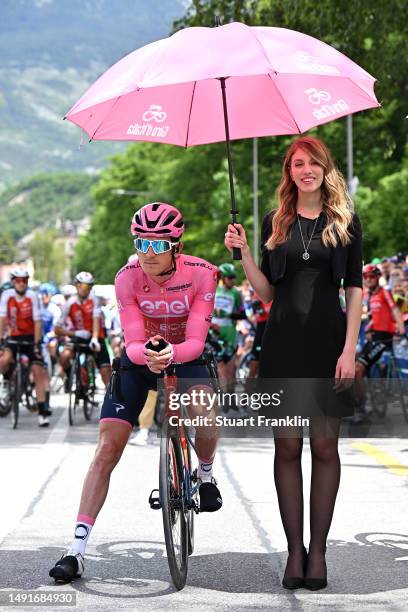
387	385
177	495
19	384
81	382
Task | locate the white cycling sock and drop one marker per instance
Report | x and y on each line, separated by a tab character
204	471
82	532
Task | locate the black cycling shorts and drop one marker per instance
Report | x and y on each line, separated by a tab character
24	350
135	384
102	357
372	351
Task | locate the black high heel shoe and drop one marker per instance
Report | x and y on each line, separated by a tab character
315	584
296	582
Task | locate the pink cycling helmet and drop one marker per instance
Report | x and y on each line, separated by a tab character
159	220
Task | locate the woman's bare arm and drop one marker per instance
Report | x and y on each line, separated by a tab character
236	237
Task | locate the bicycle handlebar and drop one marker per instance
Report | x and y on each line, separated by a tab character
21	342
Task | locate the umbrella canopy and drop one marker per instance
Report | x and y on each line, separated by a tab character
277	81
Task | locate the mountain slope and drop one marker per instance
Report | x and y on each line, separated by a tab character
51	52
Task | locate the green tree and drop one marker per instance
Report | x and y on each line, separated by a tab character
49	260
8	251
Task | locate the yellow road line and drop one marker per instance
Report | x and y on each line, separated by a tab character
382	458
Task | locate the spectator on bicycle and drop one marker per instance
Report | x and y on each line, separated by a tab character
385	321
310	243
228	308
20	313
168	296
81	320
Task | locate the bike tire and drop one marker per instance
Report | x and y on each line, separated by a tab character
73	395
17	395
171	485
5	401
190	512
377	388
89	393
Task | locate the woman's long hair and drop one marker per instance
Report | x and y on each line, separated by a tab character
336	202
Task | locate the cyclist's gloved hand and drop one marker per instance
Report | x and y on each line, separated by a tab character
157	361
83	333
94	344
38	350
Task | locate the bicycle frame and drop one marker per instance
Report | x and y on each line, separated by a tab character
170	385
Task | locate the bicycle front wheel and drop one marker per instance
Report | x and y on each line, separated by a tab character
89	391
171	483
73	395
17	395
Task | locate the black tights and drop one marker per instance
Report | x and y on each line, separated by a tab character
323	491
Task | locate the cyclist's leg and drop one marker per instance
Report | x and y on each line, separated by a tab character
102	360
40	381
113	437
206	438
6	359
118	416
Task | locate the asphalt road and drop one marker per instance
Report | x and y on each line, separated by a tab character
240	555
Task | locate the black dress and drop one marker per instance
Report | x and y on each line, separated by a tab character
306	328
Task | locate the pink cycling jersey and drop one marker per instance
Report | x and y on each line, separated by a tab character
179	310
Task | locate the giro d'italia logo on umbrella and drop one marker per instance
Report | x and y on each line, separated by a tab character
306	62
319	97
153	115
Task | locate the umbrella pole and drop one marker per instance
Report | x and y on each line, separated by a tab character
236	253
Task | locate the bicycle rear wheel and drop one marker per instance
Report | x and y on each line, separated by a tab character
17	395
378	394
171	484
5	397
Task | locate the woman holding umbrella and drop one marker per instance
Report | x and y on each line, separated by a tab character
310	243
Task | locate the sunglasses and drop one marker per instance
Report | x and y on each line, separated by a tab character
230	277
370	276
21	280
158	246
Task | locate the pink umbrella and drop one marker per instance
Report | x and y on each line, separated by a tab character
273	81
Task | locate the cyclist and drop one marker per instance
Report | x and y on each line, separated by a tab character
163	295
81	319
385	320
20	312
50	314
228	308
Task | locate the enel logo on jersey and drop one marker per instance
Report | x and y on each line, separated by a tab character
176	307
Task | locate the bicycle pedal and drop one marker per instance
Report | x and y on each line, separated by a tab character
154	500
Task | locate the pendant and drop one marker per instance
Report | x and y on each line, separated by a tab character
305	255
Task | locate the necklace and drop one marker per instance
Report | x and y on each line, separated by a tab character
306	254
